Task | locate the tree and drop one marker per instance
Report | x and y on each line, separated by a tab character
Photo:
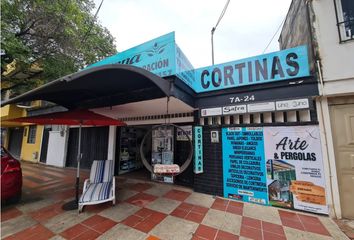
42	40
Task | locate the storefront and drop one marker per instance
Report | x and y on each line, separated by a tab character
253	122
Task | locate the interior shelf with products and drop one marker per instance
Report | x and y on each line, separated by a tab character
128	157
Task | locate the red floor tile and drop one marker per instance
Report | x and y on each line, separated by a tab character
205	232
132	220
220	204
74	231
288	215
186	206
48	212
251	222
293	224
140	187
87	235
251	232
236	204
308	219
177	195
317	228
98	207
234	210
273	236
99	224
273	228
221	235
199	209
65	194
141	199
92	221
179	213
37	232
195	217
10	213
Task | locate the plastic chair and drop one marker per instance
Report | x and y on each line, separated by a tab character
100	187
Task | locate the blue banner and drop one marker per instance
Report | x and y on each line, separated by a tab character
276	66
184	69
198	149
244	169
156	56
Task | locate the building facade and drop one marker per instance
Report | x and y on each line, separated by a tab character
327	27
22	140
254	122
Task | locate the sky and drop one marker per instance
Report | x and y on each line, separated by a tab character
245	30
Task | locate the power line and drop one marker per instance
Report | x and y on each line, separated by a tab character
271	40
222	13
91	25
214	28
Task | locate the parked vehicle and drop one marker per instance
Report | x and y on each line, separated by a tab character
11	177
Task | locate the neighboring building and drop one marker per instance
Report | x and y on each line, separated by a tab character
327	27
22	140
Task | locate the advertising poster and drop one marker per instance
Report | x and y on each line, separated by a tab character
181	136
295	176
244	164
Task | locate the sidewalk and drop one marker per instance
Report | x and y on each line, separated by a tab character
148	210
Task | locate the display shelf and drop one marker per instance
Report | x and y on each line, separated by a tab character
128	159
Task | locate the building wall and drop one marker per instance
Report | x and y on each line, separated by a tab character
296	30
336	58
211	180
31	151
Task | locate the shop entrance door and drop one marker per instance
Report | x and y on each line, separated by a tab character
342	118
44	148
187	177
94	145
15	142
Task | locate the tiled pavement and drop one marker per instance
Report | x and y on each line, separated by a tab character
148	210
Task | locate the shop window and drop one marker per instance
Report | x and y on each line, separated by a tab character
345	19
32	134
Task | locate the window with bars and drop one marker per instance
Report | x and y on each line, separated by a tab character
32	134
345	19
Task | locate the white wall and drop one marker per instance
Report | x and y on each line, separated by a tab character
337	59
57	145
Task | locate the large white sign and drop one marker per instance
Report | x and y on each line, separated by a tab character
295	176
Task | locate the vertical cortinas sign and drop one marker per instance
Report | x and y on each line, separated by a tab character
198	149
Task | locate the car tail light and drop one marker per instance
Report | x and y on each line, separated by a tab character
12	166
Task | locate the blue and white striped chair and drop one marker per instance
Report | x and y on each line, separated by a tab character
100	187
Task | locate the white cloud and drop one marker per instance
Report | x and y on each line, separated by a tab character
245	30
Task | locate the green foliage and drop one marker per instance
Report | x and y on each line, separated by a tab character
49	39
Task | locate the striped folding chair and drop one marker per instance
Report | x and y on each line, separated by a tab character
100	187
